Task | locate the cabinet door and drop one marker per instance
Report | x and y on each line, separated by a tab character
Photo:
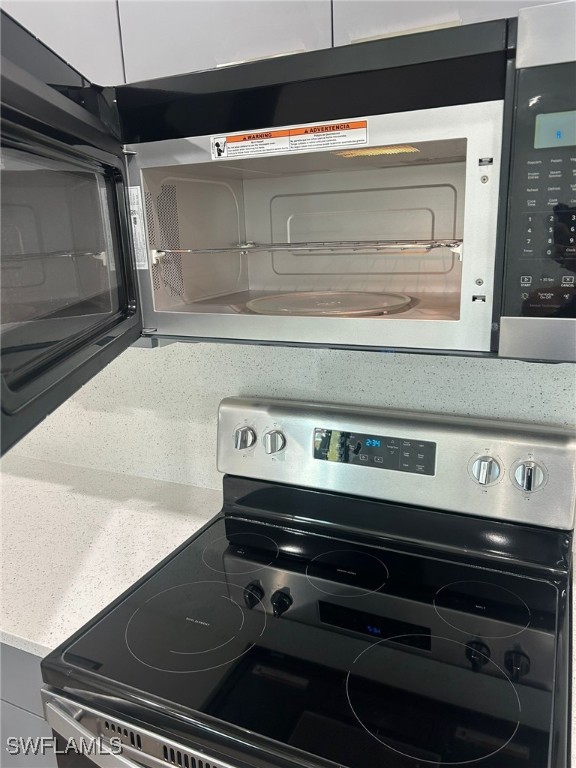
68	287
169	37
357	20
86	34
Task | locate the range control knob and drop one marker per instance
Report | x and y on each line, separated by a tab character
244	437
517	663
274	441
485	470
528	476
253	594
477	654
281	601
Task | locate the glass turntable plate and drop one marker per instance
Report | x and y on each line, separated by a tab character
330	303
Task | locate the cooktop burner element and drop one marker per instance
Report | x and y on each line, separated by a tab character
466	605
439	730
196	620
243	553
347	573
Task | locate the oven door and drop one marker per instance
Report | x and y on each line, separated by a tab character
69	302
86	735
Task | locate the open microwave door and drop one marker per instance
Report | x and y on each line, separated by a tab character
69	303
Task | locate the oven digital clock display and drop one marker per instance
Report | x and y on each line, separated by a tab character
396	453
381	627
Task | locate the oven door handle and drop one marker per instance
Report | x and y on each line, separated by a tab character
69	728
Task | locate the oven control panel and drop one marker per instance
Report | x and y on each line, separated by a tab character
396	453
484	467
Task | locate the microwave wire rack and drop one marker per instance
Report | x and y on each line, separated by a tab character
417	247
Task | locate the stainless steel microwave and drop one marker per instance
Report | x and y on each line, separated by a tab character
409	194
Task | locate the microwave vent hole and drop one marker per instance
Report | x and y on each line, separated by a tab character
170	270
152	239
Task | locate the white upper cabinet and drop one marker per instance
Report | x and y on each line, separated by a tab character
85	33
169	37
357	20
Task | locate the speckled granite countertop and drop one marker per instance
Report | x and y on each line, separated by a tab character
73	539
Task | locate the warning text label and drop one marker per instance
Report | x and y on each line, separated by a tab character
307	137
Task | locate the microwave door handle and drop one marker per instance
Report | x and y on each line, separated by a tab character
69	728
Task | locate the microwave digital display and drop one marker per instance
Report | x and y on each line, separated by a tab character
555	129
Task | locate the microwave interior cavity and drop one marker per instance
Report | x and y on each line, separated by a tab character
375	232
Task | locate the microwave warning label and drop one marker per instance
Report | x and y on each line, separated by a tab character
137	223
284	140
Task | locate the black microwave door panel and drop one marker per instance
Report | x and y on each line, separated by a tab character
69	301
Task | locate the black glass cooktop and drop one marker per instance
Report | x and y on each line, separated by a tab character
362	655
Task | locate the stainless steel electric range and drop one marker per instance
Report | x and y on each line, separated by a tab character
380	589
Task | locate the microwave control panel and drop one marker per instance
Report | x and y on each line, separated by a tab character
417	456
541	244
